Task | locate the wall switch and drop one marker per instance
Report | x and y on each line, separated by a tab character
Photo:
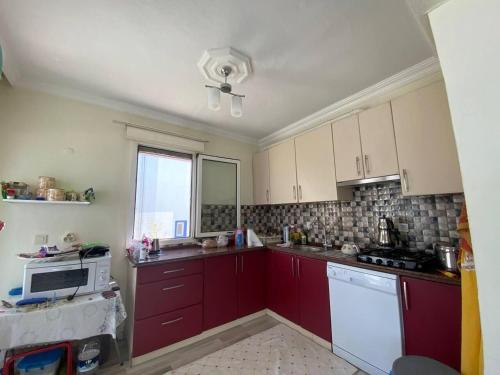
41	239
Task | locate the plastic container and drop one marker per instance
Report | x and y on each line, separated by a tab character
45	363
88	357
239	238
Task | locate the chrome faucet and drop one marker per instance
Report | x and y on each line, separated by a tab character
325	241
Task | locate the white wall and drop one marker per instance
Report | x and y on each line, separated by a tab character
467	35
35	131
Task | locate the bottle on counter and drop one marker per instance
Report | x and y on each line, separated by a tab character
239	239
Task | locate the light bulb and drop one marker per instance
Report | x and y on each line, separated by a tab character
236	106
213	98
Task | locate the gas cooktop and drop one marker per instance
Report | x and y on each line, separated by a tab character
398	258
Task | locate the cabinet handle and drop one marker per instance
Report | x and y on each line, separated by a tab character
242	264
267	195
366	164
172	271
294	192
405	295
172	321
405	180
300	192
293	270
357	165
298	268
173	287
236	264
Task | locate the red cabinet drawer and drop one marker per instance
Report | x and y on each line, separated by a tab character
163	330
168	295
167	271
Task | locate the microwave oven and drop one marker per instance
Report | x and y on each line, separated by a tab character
46	278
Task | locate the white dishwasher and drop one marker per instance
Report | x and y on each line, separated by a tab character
366	317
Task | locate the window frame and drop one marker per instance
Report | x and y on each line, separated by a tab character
199	188
169	152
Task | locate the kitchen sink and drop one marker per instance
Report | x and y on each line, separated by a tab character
313	249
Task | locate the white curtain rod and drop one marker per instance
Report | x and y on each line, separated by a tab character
158	130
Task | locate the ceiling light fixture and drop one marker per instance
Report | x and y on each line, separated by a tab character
225	88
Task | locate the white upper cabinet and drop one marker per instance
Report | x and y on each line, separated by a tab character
427	153
347	147
377	142
261	188
316	165
283	176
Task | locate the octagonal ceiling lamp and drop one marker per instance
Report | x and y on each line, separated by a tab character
220	65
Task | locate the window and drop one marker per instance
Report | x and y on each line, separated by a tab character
163	194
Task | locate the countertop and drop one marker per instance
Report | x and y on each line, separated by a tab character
331	255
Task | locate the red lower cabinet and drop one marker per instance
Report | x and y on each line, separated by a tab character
251	282
282	292
220	290
314	298
165	329
432	320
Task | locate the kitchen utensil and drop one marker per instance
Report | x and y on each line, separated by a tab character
156	245
386	235
447	255
55	195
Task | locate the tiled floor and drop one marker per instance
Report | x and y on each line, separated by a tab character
187	355
278	350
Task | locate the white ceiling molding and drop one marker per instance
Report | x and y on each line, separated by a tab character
213	60
132	109
375	94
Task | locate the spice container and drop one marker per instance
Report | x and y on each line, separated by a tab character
45	182
55	195
72	196
41	193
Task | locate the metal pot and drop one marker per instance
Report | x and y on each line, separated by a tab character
447	255
386	232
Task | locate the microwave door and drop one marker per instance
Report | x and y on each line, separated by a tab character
61	281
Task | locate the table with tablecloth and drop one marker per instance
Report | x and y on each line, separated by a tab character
84	316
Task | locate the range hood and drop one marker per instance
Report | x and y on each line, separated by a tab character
364	181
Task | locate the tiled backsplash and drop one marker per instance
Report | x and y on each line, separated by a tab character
421	220
217	217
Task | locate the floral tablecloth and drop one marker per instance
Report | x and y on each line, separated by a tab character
84	316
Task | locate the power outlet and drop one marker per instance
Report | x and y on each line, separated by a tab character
41	239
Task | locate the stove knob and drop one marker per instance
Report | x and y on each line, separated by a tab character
390	263
378	261
402	265
368	259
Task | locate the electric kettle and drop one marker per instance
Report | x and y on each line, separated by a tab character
386	234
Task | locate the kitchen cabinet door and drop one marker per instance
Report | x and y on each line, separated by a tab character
347	149
314	298
316	165
283	175
377	141
432	320
220	304
251	282
261	189
283	298
427	153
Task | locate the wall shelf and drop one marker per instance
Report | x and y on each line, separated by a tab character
33	201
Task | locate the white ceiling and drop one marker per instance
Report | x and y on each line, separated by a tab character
306	54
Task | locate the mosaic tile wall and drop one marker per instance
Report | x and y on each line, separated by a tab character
421	220
216	218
